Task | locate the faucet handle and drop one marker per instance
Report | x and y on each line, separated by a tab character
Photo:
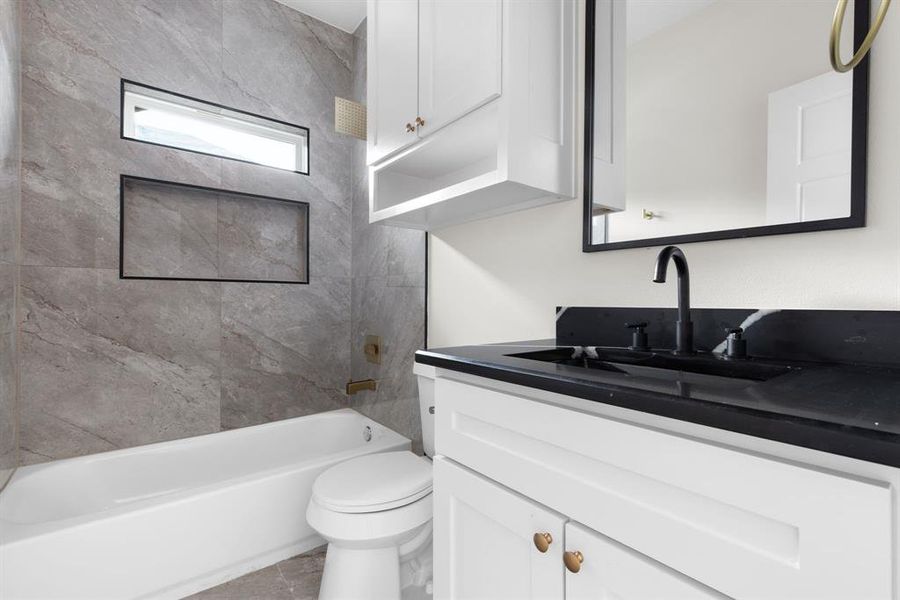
638	336
735	344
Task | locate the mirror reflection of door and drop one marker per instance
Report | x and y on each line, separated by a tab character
808	168
731	118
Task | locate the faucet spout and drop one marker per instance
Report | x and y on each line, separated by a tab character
684	328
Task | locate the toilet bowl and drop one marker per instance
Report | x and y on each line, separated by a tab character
375	512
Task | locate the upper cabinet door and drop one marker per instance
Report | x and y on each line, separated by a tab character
484	540
392	46
611	570
459	58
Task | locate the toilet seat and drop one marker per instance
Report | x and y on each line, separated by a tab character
374	483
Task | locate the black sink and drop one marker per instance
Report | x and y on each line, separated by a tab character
619	359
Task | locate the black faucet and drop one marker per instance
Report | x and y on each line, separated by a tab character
684	329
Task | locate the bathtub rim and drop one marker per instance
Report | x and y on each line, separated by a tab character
14	532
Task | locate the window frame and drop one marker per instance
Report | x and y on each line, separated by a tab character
252	125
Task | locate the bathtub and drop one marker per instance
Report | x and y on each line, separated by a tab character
170	519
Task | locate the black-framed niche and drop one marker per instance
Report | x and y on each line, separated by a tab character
177	231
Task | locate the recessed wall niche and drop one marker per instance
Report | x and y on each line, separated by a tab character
176	231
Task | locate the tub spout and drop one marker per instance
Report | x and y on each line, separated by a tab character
354	387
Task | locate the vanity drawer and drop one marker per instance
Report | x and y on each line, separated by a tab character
747	525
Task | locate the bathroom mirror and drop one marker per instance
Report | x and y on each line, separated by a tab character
717	119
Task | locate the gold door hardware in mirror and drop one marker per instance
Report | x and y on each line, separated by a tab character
542	541
372	349
420	122
354	387
410	128
835	42
573	560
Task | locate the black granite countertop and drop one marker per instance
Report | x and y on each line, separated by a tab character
846	409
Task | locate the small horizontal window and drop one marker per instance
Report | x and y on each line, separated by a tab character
158	117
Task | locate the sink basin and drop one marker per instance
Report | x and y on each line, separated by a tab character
620	359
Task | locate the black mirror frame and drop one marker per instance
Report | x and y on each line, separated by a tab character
858	158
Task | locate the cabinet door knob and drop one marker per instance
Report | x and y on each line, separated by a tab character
542	541
420	121
410	128
573	560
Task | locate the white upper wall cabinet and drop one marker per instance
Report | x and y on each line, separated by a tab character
471	108
455	77
392	63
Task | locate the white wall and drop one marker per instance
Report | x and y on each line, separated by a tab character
500	279
697	124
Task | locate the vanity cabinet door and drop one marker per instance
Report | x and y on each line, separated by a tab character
392	51
609	570
484	540
459	58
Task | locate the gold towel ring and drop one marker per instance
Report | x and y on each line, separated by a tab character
866	45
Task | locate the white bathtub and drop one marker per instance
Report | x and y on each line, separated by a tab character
171	519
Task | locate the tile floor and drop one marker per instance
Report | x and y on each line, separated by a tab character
296	578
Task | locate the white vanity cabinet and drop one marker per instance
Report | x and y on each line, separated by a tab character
617	572
471	108
656	508
486	543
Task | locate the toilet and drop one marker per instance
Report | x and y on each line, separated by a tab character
375	512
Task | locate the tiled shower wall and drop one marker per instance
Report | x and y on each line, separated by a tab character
388	293
108	363
9	201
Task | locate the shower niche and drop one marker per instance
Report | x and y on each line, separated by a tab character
177	231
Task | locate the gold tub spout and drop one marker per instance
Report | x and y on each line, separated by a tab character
358	386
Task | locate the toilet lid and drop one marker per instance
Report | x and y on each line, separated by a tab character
374	482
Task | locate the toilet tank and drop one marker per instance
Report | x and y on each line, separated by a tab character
425	375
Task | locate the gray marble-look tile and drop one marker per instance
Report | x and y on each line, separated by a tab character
330	237
397	315
9	130
169	231
9	219
388	267
285	350
329	50
107	363
71	151
396	254
359	168
304	573
264	240
8	409
296	578
302	94
265	584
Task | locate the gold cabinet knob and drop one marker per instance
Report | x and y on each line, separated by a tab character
573	560
410	128
542	541
420	121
